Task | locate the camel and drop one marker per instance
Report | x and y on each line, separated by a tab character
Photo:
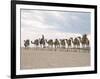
68	41
75	42
56	43
36	42
62	43
84	41
26	43
87	42
50	43
42	41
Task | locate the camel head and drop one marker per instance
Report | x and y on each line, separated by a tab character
71	38
24	40
42	36
85	36
66	40
79	37
32	42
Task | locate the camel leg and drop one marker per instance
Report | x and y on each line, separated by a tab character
67	48
41	46
79	48
55	48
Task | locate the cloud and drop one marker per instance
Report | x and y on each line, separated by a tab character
53	24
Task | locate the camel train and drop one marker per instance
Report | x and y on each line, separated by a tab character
72	43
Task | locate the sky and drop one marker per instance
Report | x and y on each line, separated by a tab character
65	21
34	23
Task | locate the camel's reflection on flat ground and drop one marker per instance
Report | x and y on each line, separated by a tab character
58	49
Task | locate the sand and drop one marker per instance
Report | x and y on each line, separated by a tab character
32	58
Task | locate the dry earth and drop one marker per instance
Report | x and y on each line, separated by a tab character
32	58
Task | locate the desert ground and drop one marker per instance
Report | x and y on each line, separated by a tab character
36	58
